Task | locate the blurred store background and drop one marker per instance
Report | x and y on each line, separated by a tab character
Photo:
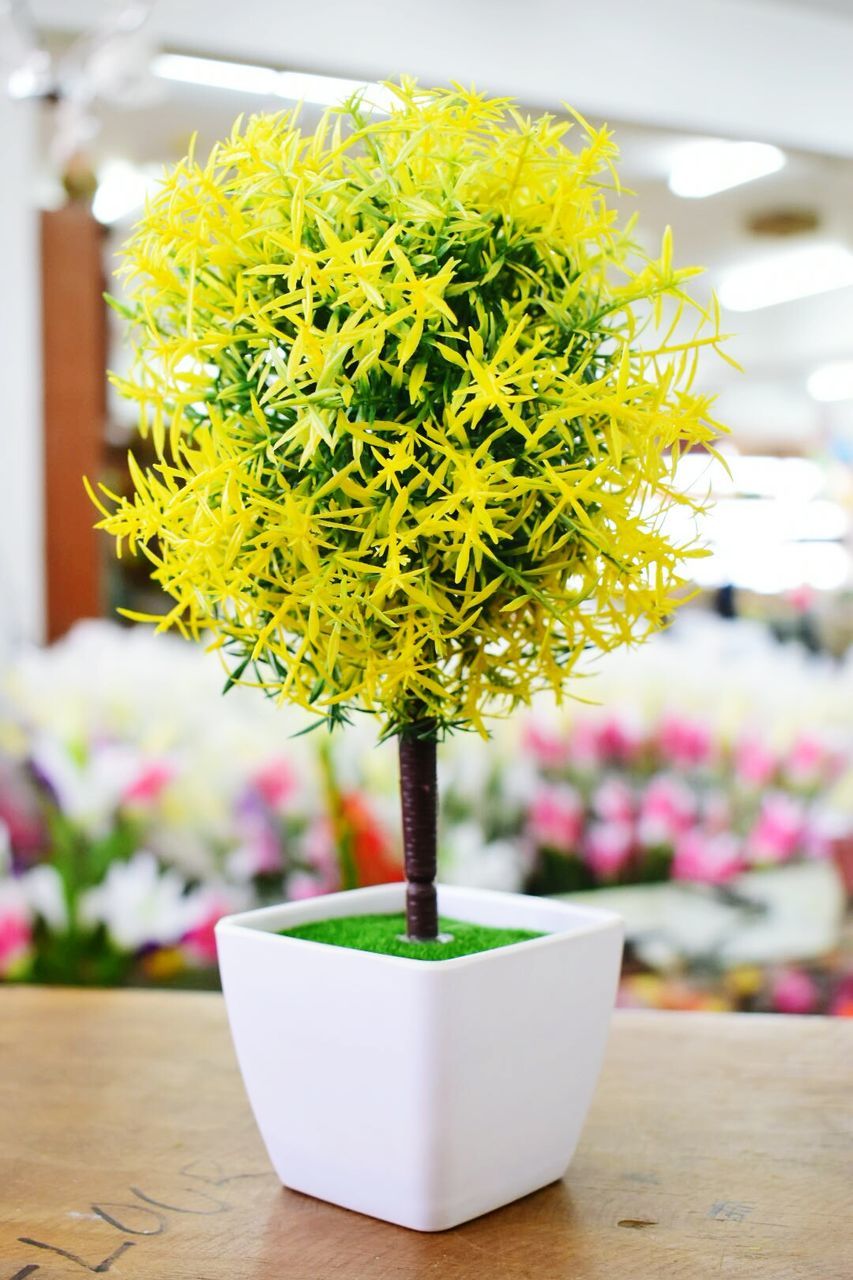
705	784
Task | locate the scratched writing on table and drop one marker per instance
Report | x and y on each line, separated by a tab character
143	1215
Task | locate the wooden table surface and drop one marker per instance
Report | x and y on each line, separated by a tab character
718	1145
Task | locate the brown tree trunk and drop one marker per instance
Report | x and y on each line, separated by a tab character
419	797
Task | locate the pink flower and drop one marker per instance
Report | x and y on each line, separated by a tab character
613	800
755	765
301	885
716	811
548	748
16	933
200	940
801	598
685	743
618	740
805	759
555	820
793	991
205	908
780	830
147	786
275	782
319	850
259	851
583	749
607	848
706	858
810	762
20	815
667	808
819	834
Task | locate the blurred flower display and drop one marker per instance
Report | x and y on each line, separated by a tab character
137	805
711	751
825	987
668	798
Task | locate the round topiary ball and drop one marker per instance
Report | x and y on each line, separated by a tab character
416	401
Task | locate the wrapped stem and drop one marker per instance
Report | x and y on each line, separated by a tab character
419	799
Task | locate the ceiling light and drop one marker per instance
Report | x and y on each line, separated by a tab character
329	91
122	189
704	168
32	77
832	381
244	77
797	273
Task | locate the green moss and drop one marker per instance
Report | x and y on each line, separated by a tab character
383	934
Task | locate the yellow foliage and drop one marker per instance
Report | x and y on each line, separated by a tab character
417	402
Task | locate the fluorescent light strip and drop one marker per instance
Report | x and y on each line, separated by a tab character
799	273
703	168
329	91
244	77
832	382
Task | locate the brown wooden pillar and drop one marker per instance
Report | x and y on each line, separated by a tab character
74	372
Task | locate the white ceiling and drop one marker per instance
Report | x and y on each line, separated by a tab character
843	7
778	71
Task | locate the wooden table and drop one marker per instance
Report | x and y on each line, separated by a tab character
718	1146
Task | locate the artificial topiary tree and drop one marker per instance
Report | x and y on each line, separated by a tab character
417	402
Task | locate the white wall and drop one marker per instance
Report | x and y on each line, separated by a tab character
21	503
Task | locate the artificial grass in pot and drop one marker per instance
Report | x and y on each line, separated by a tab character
384	934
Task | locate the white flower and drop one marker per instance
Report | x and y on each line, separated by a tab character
138	903
470	862
241	864
42	888
88	791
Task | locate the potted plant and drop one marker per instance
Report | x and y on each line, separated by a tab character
417	403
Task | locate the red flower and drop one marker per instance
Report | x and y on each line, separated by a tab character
372	853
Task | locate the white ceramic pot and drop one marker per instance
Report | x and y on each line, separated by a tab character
424	1093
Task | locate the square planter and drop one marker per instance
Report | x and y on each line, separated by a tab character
424	1093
